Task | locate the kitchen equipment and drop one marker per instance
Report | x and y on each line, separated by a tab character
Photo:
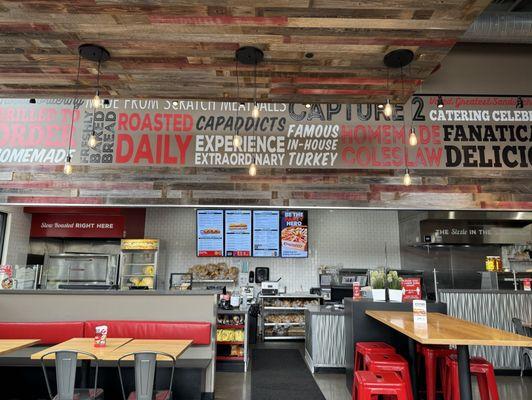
262	274
139	263
27	276
90	270
180	281
270	288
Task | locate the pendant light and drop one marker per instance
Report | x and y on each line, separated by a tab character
400	58
407	180
308	105
440	102
388	109
412	138
253	168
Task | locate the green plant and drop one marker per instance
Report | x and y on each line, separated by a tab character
378	279
394	281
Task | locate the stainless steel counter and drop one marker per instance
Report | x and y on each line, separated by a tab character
324	338
494	308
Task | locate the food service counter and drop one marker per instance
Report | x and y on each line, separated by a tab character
494	308
324	338
143	305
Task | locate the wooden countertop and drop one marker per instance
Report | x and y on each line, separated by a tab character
7	345
444	329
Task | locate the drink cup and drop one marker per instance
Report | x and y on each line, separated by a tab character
100	337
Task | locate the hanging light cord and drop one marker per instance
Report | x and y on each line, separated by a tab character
255	92
74	106
404	122
237	94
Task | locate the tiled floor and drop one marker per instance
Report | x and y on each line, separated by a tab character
237	386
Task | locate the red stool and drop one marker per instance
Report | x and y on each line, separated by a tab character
434	358
390	363
481	369
363	349
368	384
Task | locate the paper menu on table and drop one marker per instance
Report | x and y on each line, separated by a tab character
419	308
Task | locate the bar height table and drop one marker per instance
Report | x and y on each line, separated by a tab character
442	329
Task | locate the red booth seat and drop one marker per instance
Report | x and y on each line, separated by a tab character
47	332
198	332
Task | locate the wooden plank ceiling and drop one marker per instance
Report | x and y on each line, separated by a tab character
185	49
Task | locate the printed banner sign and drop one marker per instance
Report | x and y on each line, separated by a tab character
469	132
411	289
77	226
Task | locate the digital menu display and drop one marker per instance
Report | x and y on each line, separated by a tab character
237	233
209	226
294	234
265	233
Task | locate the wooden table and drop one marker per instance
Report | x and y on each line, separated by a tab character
86	345
445	330
172	347
7	345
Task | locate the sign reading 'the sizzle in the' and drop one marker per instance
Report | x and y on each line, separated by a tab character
469	132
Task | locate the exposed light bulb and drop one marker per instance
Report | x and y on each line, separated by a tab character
96	101
388	109
308	105
407	180
440	102
67	169
255	112
92	140
412	138
237	140
380	106
252	169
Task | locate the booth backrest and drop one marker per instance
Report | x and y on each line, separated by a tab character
47	332
199	332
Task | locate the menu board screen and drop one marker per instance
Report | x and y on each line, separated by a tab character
265	233
294	233
209	233
237	233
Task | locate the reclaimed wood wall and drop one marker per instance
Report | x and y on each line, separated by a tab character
463	189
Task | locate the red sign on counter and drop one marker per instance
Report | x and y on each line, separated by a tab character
526	284
356	290
411	289
77	226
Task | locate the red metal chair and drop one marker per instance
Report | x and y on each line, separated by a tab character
434	359
390	363
363	349
368	384
481	369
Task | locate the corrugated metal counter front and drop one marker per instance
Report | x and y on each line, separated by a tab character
325	338
494	308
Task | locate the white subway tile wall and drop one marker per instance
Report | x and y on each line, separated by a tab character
351	238
17	236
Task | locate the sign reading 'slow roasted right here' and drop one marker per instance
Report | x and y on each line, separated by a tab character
471	132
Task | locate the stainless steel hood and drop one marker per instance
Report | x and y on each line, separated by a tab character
476	228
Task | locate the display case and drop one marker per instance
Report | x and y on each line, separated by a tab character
139	264
71	270
232	352
283	316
